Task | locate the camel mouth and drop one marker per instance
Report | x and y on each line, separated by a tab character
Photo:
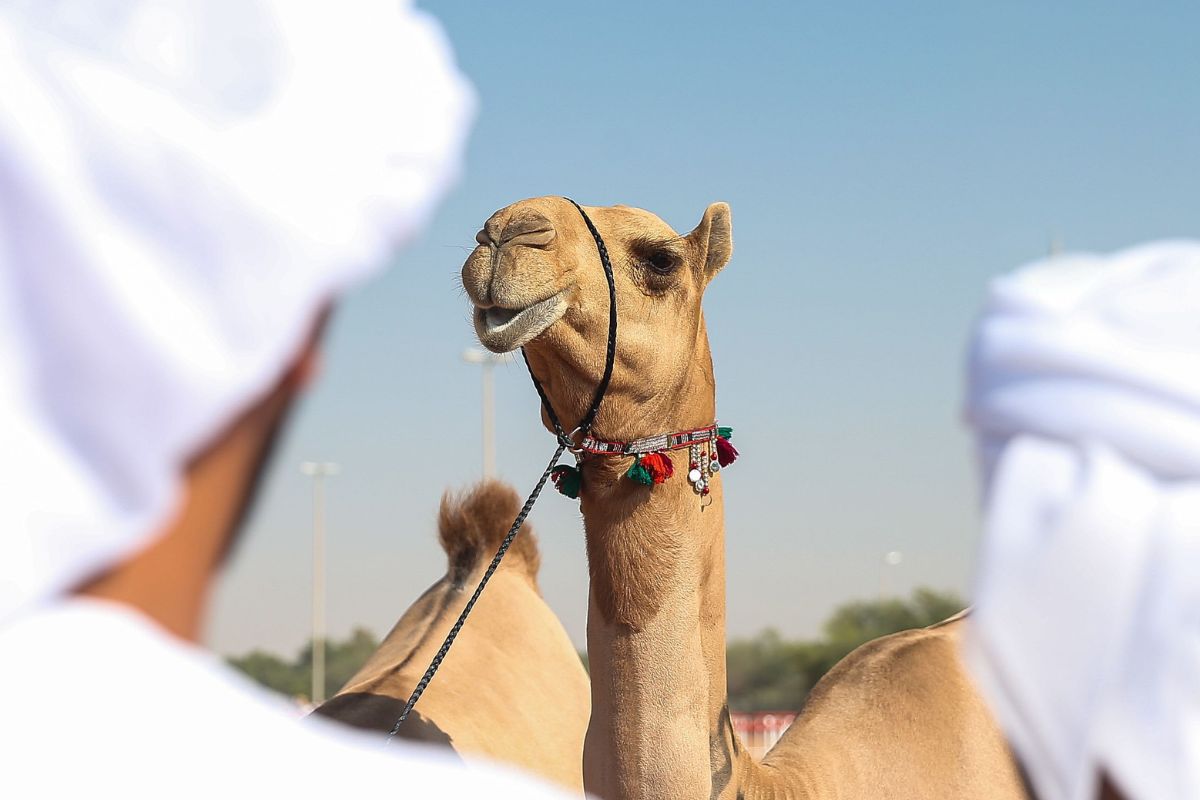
503	330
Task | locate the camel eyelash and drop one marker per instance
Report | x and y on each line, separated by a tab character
657	257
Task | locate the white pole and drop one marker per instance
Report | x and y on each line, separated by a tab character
487	361
318	583
318	471
489	415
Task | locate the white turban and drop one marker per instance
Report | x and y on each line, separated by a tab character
1084	393
183	185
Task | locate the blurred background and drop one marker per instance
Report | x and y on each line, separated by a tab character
882	162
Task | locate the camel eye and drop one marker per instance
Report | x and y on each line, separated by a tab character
663	262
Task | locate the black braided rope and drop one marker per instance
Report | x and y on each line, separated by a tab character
487	576
610	355
564	442
563	438
585	425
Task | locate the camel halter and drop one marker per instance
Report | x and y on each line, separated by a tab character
565	442
650	465
709	450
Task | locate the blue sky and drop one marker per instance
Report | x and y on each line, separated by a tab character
882	162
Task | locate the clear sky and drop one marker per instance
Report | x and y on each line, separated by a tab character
882	161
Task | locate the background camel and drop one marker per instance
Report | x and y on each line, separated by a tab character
895	719
512	689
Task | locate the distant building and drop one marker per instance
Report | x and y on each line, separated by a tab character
760	731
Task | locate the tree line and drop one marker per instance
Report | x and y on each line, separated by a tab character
770	673
766	672
293	677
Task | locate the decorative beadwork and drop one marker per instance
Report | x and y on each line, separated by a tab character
651	466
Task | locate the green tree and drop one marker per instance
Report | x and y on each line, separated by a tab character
768	673
294	678
273	672
855	623
343	659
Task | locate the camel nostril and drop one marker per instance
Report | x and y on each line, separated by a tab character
533	230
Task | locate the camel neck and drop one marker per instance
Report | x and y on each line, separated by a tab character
656	636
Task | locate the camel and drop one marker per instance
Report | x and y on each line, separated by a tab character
897	718
513	688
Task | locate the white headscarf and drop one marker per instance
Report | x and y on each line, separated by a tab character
182	186
1085	396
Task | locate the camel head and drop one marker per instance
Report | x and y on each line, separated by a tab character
536	281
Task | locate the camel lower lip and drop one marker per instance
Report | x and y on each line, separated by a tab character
504	330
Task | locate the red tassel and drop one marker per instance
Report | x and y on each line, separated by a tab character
567	480
726	452
658	465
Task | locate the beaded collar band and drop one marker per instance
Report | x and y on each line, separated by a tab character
709	450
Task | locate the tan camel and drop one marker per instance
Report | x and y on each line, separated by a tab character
512	689
895	719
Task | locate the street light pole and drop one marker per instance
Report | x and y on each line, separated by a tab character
487	362
1056	245
489	419
318	471
892	558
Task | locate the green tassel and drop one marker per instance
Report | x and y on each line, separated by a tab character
725	433
567	480
639	474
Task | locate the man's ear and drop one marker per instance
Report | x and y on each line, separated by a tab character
713	239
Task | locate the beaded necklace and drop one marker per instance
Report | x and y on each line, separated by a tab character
709	449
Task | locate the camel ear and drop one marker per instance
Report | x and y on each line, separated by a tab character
713	238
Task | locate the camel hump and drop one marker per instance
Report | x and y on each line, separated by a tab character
473	522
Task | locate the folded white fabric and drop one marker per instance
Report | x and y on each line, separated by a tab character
182	186
1084	393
